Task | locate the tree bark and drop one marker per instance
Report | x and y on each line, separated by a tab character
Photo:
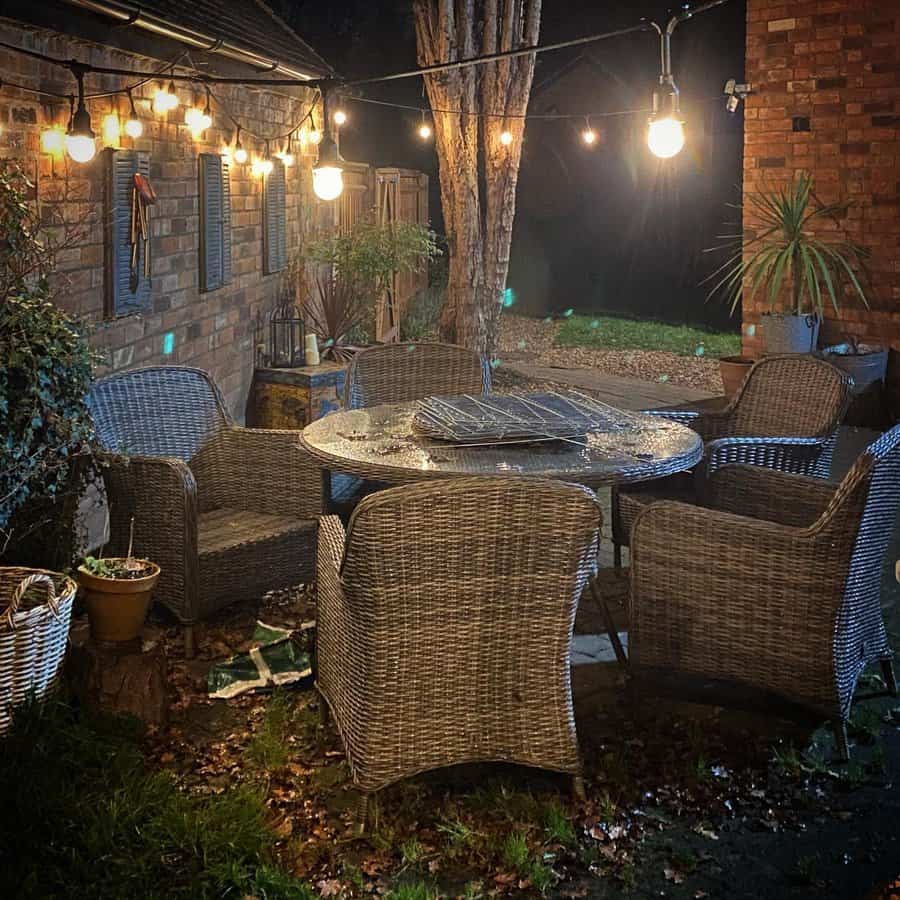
471	107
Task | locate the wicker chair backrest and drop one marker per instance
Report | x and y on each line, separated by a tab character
796	396
168	411
472	543
398	373
861	622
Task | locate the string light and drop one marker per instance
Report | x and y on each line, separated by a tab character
424	128
111	128
589	136
80	138
665	132
198	120
240	154
328	172
340	117
665	137
262	167
53	140
165	99
134	128
286	156
315	136
506	137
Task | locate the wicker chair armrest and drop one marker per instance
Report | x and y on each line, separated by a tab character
261	470
708	424
787	454
761	493
725	595
160	495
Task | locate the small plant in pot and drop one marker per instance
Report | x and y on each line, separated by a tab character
783	252
865	363
117	592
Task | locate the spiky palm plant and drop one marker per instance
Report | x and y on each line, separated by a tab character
784	249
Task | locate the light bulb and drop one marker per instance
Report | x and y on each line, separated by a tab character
506	138
665	137
424	131
261	167
240	155
80	147
315	136
589	136
340	117
111	130
164	102
53	140
197	120
134	128
225	153
328	182
286	158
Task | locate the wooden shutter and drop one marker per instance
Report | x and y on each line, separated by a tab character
274	220
121	299
215	222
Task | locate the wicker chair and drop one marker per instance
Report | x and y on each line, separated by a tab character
445	622
785	416
398	373
775	588
227	512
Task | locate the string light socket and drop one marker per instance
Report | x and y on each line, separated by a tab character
134	128
240	154
80	138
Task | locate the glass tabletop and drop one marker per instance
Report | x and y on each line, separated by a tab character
379	443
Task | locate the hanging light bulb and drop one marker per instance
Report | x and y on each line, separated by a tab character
165	99
315	136
225	153
262	167
80	137
53	140
506	137
665	133
111	128
328	177
240	154
286	156
340	117
424	128
134	128
198	120
589	136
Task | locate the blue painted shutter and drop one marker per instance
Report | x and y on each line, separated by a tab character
275	220
215	222
120	298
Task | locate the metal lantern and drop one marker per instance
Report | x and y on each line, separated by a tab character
286	336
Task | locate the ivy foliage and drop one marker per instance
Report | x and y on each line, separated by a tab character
46	432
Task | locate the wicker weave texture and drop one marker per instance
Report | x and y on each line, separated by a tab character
226	512
787	601
33	635
785	417
445	623
398	373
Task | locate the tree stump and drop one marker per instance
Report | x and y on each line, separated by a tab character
123	678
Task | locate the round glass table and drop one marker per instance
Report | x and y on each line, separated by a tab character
379	444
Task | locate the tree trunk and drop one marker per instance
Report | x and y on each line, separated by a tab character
471	107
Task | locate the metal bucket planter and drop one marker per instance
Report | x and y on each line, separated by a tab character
866	365
790	334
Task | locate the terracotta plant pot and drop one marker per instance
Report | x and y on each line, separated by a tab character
734	369
117	607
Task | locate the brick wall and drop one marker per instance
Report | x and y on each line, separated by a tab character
837	63
213	331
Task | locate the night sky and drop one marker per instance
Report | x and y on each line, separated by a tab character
607	229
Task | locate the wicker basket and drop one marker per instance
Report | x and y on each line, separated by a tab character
33	635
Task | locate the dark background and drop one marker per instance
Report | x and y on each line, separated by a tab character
604	229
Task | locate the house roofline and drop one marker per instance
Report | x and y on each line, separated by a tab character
128	14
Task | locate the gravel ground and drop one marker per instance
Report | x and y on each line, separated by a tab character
523	338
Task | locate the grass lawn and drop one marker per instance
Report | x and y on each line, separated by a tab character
613	333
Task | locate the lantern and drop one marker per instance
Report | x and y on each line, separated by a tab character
286	336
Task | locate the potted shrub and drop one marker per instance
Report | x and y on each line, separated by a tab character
353	272
782	251
117	593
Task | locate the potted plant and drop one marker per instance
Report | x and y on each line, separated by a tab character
782	251
354	272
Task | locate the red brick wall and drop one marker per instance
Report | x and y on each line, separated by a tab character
212	331
836	62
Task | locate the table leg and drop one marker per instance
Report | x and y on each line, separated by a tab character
618	649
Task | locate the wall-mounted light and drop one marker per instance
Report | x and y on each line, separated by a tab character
734	93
